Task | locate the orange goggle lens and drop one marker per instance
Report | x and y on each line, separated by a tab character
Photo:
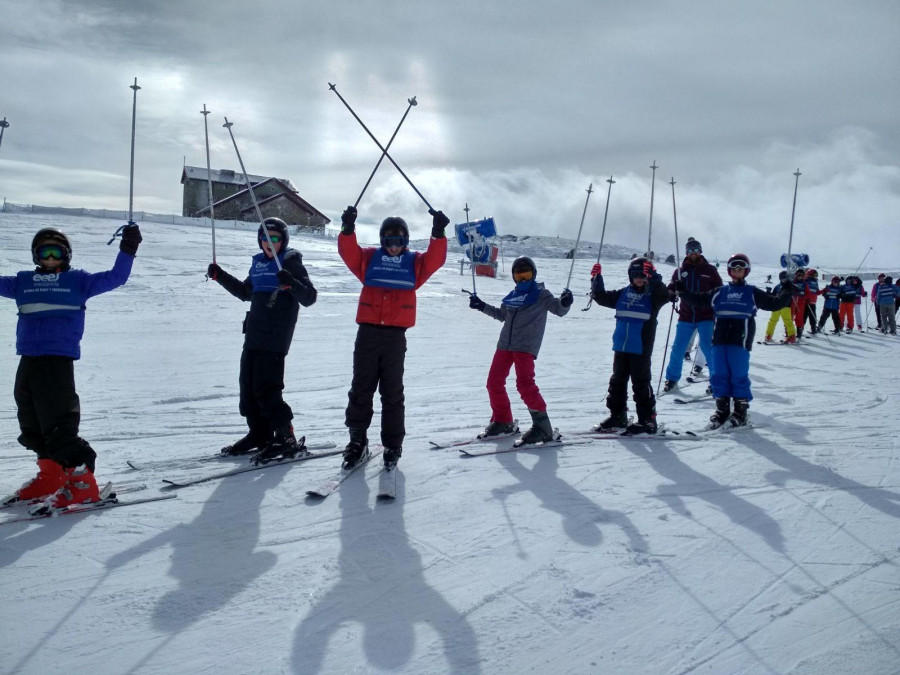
523	275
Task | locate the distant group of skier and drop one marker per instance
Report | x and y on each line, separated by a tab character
51	302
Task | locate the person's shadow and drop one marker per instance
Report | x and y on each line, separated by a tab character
214	558
382	593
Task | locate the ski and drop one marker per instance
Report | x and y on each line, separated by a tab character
187	462
14	502
693	399
480	438
108	500
332	484
663	433
173	484
387	483
693	379
555	442
726	428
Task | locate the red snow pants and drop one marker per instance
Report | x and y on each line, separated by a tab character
525	384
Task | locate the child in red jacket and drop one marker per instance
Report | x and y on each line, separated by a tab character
390	276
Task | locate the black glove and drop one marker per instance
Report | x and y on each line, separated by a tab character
348	220
213	271
597	285
438	222
131	239
680	286
565	298
285	278
476	303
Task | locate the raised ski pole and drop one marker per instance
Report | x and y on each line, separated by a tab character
333	88
602	234
212	214
3	125
652	189
867	297
412	102
134	87
790	263
677	269
259	215
578	238
471	248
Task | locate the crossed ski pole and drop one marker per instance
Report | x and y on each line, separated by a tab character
412	102
384	151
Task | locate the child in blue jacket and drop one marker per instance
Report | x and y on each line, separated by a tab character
735	306
51	301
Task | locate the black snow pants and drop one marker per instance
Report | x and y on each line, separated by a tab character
261	383
636	367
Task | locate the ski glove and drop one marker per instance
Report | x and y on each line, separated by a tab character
348	220
596	269
476	303
287	279
213	271
131	238
438	222
565	298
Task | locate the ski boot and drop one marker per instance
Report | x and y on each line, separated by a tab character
768	338
80	488
356	450
283	446
391	457
51	477
697	370
741	414
723	412
617	421
541	430
791	340
670	385
498	429
245	445
647	426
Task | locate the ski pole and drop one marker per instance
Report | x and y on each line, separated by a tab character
259	215
212	215
3	125
471	248
333	88
791	266
134	87
412	102
863	260
602	235
589	191
652	188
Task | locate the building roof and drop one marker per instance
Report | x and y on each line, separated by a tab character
227	176
286	192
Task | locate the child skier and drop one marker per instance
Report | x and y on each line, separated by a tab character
887	296
735	307
275	297
812	296
51	301
524	316
698	275
798	302
849	293
390	275
637	306
784	314
832	293
857	283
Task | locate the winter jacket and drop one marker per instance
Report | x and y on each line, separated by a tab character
52	305
698	278
849	292
523	327
389	306
269	326
887	293
735	306
812	291
631	324
832	295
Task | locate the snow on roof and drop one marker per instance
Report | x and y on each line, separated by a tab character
227	176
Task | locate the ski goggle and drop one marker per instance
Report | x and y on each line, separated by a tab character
523	275
394	240
693	248
738	264
50	251
274	237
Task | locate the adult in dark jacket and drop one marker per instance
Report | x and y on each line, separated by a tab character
275	297
637	306
698	276
735	306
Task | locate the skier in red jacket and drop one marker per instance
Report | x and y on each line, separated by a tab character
390	275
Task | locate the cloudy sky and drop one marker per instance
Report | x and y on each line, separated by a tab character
522	105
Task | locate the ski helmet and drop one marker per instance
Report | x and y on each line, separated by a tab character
782	275
835	278
800	273
636	269
739	261
812	273
274	225
51	235
523	264
394	226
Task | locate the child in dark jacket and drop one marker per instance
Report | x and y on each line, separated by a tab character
637	306
832	293
275	297
735	306
51	301
524	316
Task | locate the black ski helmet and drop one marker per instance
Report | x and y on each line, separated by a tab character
51	235
739	260
277	225
394	226
636	269
782	275
521	264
